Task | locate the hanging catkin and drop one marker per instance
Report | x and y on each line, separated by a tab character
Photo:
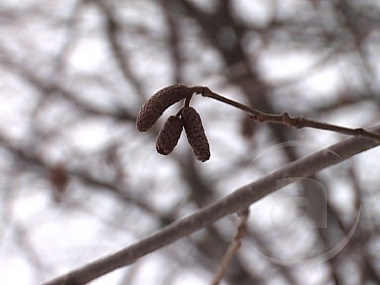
195	133
168	137
158	103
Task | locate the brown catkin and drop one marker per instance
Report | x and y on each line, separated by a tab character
195	133
168	137
158	103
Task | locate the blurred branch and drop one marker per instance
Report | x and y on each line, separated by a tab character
234	247
96	182
56	88
174	39
113	29
239	200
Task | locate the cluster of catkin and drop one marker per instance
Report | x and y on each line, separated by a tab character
188	118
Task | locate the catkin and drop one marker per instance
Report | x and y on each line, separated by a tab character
195	133
169	135
158	103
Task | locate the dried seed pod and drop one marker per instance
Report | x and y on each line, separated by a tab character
158	103
195	133
168	137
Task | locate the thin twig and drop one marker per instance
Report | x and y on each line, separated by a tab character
235	245
239	200
285	118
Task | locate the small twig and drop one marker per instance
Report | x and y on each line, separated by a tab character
235	245
285	118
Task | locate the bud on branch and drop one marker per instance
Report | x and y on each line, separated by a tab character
168	137
195	133
158	103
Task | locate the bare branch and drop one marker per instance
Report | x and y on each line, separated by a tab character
234	247
239	200
285	118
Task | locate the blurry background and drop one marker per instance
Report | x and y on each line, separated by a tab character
77	181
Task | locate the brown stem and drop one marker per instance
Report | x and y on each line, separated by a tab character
286	119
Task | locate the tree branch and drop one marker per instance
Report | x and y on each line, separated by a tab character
285	118
237	201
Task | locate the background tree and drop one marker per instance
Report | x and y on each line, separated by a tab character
78	181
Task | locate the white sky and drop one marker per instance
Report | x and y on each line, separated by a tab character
68	237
